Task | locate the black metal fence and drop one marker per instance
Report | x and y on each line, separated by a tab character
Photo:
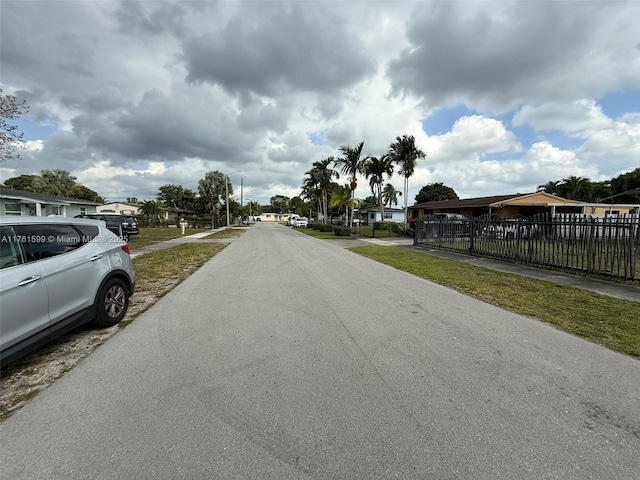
607	246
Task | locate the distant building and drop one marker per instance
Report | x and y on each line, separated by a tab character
121	208
371	215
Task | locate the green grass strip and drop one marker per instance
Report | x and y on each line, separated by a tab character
605	320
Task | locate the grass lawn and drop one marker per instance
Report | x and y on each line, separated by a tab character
322	235
367	231
605	320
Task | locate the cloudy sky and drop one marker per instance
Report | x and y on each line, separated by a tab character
502	96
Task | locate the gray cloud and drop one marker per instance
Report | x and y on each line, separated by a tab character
273	47
497	54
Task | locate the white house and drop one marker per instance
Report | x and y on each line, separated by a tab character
20	202
372	215
121	208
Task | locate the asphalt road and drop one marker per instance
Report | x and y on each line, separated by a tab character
286	357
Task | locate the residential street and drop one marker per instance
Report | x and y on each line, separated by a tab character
286	357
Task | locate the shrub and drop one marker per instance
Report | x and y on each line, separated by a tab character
327	228
342	231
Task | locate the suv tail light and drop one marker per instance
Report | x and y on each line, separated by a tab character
126	249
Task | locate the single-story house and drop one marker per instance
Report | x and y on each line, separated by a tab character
371	215
517	205
121	208
20	202
273	217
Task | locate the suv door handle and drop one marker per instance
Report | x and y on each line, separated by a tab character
96	257
29	280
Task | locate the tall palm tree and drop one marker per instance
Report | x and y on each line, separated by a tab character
310	190
390	195
351	164
405	153
376	169
321	176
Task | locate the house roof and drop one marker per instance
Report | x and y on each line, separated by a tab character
498	200
466	203
24	196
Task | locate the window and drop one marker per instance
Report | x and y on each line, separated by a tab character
10	251
56	210
388	215
12	209
48	240
83	210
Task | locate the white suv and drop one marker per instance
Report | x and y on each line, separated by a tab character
300	222
57	274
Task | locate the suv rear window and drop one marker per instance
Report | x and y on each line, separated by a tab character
48	240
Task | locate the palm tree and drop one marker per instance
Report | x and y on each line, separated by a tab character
351	164
375	169
320	177
549	187
341	197
55	182
390	195
151	209
576	188
405	153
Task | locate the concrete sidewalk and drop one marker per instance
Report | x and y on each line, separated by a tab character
177	241
604	287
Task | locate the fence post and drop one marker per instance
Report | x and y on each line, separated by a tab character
472	234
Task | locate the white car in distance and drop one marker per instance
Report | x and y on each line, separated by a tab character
301	222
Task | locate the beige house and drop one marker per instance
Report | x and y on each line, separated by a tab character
121	208
273	217
518	205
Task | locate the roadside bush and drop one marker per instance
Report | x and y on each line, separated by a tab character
327	228
382	225
342	231
314	226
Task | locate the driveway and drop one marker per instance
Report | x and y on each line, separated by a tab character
285	357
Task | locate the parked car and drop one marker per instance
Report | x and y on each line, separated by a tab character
292	220
301	222
57	274
121	225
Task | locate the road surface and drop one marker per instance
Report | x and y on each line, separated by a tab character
287	357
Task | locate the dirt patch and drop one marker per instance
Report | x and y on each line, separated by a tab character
26	378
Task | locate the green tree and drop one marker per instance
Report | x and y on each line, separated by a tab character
21	182
317	183
212	188
351	164
434	192
377	169
342	197
405	154
151	209
10	109
550	187
55	182
85	193
624	183
281	203
575	188
390	195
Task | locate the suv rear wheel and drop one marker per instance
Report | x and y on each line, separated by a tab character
112	303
